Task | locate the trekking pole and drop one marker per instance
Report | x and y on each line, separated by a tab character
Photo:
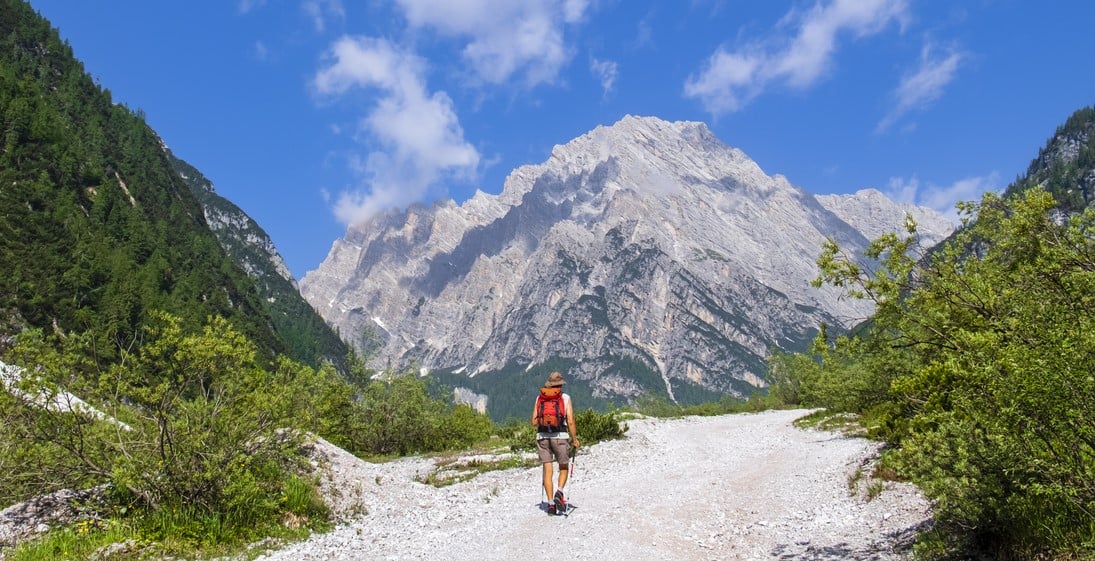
573	462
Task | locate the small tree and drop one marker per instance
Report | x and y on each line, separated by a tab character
996	391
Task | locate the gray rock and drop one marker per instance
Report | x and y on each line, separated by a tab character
646	245
23	521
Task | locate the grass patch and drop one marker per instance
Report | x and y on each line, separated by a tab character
652	405
848	424
184	531
874	489
80	541
450	471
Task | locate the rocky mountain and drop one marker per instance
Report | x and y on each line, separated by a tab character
1065	166
307	336
646	256
873	214
103	225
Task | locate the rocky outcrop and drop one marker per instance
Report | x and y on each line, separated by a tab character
307	337
23	521
645	244
874	214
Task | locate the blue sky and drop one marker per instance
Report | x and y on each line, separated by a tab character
312	114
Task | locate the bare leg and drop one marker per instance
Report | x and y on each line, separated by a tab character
548	486
564	471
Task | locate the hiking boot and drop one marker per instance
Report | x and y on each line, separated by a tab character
560	503
551	509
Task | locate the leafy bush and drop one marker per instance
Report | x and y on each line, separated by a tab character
195	445
984	351
593	426
397	415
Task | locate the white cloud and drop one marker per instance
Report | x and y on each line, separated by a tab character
505	38
922	86
605	71
320	11
731	78
261	51
417	135
942	198
246	6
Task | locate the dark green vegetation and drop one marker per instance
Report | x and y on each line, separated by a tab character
977	366
122	286
201	446
98	225
510	399
307	337
1064	166
512	390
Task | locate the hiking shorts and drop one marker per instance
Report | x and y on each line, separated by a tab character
557	447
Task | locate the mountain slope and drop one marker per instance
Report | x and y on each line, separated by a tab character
306	335
646	256
1065	167
98	226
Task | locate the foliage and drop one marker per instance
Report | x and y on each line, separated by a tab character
593	426
307	337
512	390
449	472
654	405
98	228
978	365
196	433
78	542
1063	167
397	415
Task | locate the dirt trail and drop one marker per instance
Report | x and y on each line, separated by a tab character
732	487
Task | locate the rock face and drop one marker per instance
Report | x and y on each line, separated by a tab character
308	338
1065	166
648	254
874	214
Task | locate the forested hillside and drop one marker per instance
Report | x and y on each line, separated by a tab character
977	366
1065	167
98	226
306	336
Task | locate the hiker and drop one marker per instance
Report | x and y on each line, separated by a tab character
553	417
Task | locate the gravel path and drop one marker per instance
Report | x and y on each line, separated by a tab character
701	488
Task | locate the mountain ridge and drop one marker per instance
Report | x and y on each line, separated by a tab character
644	240
101	227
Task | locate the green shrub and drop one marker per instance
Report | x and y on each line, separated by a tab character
197	450
984	353
593	426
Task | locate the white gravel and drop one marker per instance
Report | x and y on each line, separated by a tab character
747	486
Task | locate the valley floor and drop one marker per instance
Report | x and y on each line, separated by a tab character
747	486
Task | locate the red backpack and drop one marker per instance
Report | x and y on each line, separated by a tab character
551	412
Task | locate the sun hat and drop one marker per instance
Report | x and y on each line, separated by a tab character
554	380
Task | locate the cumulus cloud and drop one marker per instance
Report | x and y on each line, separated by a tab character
942	198
605	71
729	79
504	38
416	135
922	86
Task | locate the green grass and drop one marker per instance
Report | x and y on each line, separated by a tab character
182	532
450	471
79	541
846	423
